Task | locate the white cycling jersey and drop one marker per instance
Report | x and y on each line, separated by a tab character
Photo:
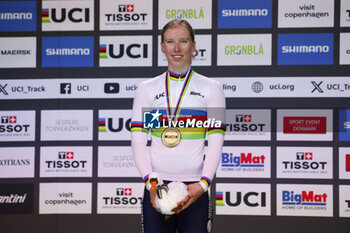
202	98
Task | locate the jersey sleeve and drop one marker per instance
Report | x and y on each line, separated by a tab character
216	108
139	135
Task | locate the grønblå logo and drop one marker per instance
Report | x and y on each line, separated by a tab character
151	119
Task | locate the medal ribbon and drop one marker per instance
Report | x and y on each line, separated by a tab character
182	93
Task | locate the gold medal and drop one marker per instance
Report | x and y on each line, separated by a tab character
171	137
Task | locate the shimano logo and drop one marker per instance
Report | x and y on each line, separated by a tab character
306	49
244	12
68	51
15	16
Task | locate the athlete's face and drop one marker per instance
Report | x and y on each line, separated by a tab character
178	48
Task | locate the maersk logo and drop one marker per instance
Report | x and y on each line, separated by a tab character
17	16
245	14
68	51
305	49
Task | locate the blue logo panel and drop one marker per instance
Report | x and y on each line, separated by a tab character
344	125
17	16
151	119
68	51
305	49
244	14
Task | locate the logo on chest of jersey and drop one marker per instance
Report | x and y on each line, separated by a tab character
158	96
196	94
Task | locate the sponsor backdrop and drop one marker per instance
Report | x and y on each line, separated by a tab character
68	73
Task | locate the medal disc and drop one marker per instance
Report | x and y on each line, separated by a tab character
171	137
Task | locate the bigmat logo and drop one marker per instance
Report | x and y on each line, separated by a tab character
245	162
119	198
197	12
344	13
344	201
17	16
17	126
305	14
244	49
305	162
114	125
344	163
116	51
344	125
68	15
243	199
245	14
305	125
304	200
305	49
116	161
202	55
17	52
248	124
126	15
70	51
16	198
65	198
17	162
66	125
66	161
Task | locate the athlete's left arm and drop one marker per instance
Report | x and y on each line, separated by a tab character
216	108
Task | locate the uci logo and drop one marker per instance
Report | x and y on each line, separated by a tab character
75	15
132	51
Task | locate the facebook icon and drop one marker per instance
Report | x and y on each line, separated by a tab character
66	88
151	120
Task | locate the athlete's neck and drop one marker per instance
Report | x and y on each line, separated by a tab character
178	74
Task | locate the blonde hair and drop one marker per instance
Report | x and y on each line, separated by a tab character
174	23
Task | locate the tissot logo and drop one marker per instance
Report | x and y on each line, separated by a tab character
244	124
65	161
305	162
135	16
245	14
67	15
305	49
9	125
18	16
119	198
344	201
16	198
66	88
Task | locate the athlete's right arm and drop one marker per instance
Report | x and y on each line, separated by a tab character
139	134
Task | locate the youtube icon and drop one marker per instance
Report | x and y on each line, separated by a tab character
111	88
